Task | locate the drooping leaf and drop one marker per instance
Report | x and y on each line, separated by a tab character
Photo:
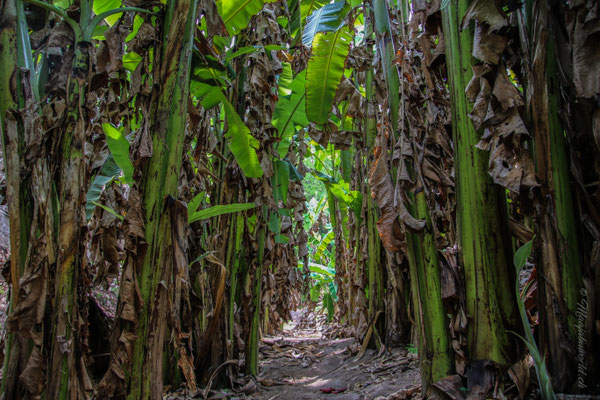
281	239
131	60
322	248
522	255
285	79
193	205
283	21
119	148
281	180
294	10
274	224
107	5
315	292
321	269
209	95
328	301
109	171
252	49
323	177
294	174
214	211
242	144
236	14
308	6
109	210
325	19
324	72
137	22
290	111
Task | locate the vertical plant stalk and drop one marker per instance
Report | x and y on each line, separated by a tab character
374	261
434	344
252	359
67	373
436	354
65	380
556	217
385	48
10	91
482	250
11	134
160	180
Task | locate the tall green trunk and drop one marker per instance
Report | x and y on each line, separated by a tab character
252	359
434	345
374	266
160	180
557	219
11	135
483	251
435	352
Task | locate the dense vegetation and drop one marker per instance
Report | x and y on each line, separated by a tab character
423	171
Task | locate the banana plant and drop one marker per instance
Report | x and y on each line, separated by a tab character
242	144
236	14
217	210
84	29
290	110
324	72
326	19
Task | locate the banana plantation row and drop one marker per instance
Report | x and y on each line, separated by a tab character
163	146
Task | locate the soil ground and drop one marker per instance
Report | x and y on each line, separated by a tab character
310	361
305	364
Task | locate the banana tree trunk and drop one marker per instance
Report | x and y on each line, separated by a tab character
11	135
252	358
434	344
557	219
483	250
57	208
152	270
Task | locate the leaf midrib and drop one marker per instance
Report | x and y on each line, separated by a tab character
292	114
244	4
327	70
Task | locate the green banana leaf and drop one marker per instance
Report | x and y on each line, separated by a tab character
281	180
109	171
252	49
284	81
107	5
236	14
214	211
324	72
290	111
241	142
308	6
119	148
195	203
326	19
321	269
328	302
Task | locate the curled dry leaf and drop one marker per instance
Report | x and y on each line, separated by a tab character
382	191
519	373
485	11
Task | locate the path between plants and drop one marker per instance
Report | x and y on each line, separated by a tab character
305	363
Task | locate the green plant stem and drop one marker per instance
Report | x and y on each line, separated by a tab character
479	219
72	23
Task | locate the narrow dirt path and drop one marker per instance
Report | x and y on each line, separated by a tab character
306	364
